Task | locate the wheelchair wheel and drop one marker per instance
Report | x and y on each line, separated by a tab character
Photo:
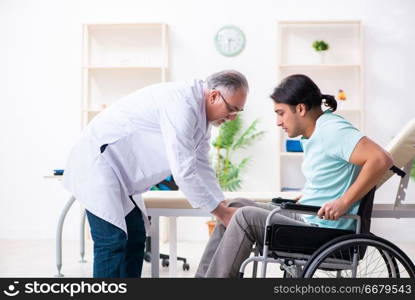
165	263
147	256
186	267
359	256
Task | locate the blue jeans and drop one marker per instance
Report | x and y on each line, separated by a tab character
115	256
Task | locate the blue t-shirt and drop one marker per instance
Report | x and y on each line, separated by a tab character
326	166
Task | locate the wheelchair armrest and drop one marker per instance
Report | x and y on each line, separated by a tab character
300	207
307	210
280	200
312	210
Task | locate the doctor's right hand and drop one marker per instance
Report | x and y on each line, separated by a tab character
224	213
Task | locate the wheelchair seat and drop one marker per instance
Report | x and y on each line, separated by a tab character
300	239
307	239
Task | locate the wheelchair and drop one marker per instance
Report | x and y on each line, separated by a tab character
316	252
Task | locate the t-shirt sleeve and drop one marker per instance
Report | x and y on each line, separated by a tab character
341	139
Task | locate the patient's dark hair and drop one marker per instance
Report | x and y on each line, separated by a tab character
299	88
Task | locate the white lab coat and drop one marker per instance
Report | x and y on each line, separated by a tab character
152	133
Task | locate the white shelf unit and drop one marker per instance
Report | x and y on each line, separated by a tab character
340	67
118	59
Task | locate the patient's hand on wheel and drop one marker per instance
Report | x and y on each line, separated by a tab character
224	213
332	210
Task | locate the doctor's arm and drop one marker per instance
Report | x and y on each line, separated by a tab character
374	162
178	124
222	212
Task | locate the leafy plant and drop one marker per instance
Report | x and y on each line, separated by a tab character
320	46
413	170
227	142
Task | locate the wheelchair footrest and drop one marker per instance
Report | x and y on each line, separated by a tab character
302	239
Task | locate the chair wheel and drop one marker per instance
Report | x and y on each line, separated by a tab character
147	257
186	267
165	263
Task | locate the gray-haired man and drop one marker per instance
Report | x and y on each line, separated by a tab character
138	141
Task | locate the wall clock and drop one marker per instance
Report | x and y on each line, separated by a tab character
230	40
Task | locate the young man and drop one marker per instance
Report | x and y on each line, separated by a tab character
138	141
340	166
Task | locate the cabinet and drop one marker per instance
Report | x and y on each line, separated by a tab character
119	59
340	67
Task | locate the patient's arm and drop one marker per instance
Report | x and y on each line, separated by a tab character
374	162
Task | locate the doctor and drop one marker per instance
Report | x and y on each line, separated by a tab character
135	143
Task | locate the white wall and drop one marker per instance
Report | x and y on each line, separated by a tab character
40	84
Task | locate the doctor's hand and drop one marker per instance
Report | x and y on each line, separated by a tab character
332	210
224	213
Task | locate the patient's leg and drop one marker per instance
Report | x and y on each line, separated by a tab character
216	237
246	227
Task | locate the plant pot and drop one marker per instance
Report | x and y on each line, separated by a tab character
322	57
211	225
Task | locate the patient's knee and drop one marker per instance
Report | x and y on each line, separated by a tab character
247	214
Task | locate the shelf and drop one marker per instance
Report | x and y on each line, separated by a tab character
343	39
123	25
109	85
126	45
291	174
292	154
320	22
319	66
122	67
118	59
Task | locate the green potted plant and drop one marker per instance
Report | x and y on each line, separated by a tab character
231	137
321	47
413	170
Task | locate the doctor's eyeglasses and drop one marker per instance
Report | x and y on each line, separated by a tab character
233	110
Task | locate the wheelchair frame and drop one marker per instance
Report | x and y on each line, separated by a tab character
304	265
294	260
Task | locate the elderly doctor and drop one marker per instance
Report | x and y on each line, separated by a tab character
138	141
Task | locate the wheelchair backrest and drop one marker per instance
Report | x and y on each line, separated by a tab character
401	148
365	210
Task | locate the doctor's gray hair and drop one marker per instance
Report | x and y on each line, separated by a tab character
230	80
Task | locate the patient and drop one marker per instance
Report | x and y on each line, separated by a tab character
340	166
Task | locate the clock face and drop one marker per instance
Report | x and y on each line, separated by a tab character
230	40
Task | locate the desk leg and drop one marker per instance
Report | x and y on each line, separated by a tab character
59	235
82	236
173	246
155	252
